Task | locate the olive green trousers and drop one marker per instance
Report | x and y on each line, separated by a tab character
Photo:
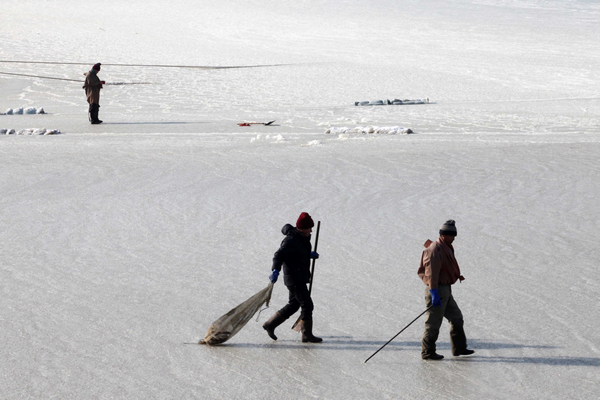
435	316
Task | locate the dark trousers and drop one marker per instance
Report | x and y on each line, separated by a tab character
93	112
435	316
299	298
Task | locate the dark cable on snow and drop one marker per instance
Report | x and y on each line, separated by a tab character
45	77
75	80
146	65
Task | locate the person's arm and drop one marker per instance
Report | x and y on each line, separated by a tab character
434	263
278	259
281	255
93	80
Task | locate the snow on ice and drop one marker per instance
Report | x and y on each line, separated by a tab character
24	110
387	130
30	131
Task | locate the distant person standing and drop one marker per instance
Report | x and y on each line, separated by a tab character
92	87
439	270
294	256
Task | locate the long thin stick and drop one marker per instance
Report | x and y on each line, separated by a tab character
298	324
312	269
388	342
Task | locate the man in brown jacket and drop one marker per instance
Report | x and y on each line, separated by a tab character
439	270
92	87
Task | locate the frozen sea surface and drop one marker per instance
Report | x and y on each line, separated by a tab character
118	249
124	241
512	66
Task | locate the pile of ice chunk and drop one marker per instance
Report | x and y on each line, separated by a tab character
395	102
25	110
30	132
386	130
268	138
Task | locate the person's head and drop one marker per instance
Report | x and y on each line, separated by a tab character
96	67
304	224
448	231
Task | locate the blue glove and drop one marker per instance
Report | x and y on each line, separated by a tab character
314	255
273	277
435	298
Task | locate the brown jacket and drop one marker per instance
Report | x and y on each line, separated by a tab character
439	266
92	87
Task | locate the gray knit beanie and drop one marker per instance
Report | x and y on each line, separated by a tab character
449	228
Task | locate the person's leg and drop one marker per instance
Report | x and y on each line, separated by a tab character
280	316
458	338
433	322
306	303
293	304
94	108
273	322
90	108
307	307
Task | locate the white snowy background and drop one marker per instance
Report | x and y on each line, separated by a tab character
121	242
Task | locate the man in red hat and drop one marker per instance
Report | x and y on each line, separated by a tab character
294	256
92	87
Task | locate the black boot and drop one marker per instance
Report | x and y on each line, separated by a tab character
463	352
307	335
276	320
94	108
458	339
434	356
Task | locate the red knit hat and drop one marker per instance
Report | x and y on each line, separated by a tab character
304	221
96	67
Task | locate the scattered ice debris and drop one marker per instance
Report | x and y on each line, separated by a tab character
26	110
30	132
267	138
344	121
384	130
395	102
312	143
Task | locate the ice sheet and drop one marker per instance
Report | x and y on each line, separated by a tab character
122	242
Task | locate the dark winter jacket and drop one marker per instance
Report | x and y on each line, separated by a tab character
92	87
294	256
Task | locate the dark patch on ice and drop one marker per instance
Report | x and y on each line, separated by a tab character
154	123
558	360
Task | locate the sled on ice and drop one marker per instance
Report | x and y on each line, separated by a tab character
255	123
